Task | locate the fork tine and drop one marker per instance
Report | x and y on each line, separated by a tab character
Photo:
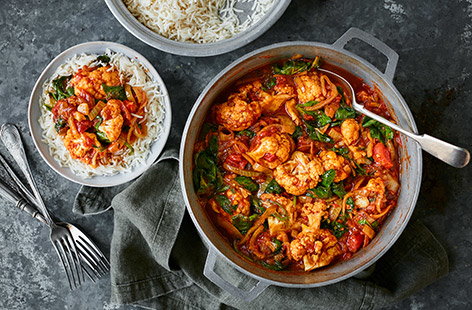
72	262
88	274
88	242
92	250
65	264
89	261
69	260
77	260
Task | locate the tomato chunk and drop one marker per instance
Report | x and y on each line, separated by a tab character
382	155
236	160
270	157
354	241
82	126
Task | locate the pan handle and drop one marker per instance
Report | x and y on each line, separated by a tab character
210	273
355	33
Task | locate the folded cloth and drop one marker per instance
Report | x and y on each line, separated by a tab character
157	256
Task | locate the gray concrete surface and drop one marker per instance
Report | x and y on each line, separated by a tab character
433	38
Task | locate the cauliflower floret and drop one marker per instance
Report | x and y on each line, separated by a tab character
308	87
112	120
239	197
371	196
83	108
350	130
79	145
90	80
299	174
314	212
270	147
332	161
284	86
317	248
237	114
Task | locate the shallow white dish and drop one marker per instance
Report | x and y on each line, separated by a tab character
34	112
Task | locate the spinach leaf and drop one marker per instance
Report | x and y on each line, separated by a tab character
320	191
246	132
114	92
206	128
225	203
374	225
378	130
336	123
328	177
345	113
60	123
256	205
360	170
293	66
278	245
102	137
316	135
327	187
103	58
280	217
61	91
338	229
338	189
321	119
269	83
274	188
297	133
350	203
99	122
341	151
247	183
206	176
243	223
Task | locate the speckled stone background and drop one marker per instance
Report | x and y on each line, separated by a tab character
433	38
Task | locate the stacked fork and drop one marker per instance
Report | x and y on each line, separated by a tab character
76	251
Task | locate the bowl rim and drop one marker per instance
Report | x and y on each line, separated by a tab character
158	144
206	239
152	38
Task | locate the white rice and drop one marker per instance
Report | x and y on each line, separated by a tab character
136	75
197	21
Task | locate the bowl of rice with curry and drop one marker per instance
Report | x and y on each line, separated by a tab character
99	114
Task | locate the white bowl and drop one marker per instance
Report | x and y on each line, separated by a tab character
34	112
136	28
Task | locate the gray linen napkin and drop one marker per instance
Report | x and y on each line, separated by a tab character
157	257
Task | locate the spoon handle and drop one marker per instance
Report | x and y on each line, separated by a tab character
453	155
12	140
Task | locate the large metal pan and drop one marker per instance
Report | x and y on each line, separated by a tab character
410	154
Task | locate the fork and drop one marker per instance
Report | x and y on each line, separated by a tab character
96	264
60	236
95	261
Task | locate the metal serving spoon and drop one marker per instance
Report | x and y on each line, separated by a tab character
453	155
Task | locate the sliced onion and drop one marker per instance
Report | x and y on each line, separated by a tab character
369	232
242	172
96	109
129	93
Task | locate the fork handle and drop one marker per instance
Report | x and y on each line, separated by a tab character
19	202
12	140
